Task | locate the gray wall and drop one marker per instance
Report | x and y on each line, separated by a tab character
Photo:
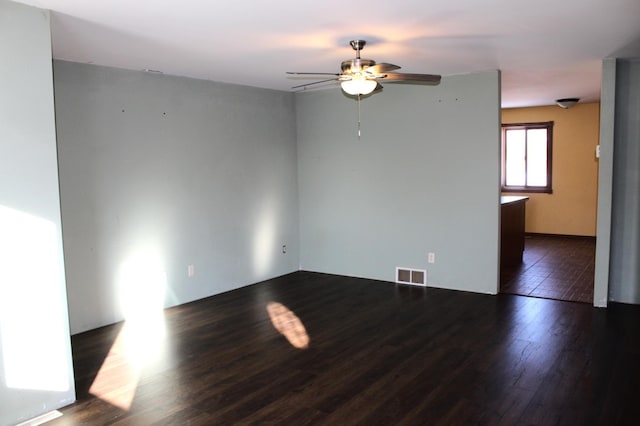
423	178
605	182
160	172
36	372
624	284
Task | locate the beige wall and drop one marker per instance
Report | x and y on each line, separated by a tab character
571	209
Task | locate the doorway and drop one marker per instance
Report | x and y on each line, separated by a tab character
559	257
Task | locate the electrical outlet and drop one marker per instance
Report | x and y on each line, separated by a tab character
284	248
431	258
191	270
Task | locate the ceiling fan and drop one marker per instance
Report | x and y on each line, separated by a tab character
361	76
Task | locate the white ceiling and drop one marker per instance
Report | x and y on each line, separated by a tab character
546	49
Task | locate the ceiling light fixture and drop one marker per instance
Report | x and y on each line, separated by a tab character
567	102
359	85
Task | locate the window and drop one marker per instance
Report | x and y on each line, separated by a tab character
526	157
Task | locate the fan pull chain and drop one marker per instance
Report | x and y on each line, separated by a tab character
358	116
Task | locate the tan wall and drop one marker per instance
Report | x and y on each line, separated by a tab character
571	209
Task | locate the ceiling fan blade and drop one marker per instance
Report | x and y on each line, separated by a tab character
382	68
312	73
378	88
315	82
416	78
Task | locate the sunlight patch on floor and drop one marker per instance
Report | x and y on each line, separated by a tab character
141	341
288	324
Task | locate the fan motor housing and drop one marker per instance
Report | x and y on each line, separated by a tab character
356	65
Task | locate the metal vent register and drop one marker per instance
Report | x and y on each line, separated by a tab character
411	276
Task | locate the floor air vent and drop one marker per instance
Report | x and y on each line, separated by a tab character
411	276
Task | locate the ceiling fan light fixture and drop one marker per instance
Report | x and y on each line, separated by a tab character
361	76
359	86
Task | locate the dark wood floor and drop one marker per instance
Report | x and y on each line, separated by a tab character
344	351
553	267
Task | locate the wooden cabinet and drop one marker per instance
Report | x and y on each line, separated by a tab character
512	213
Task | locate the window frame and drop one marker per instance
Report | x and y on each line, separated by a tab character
548	125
